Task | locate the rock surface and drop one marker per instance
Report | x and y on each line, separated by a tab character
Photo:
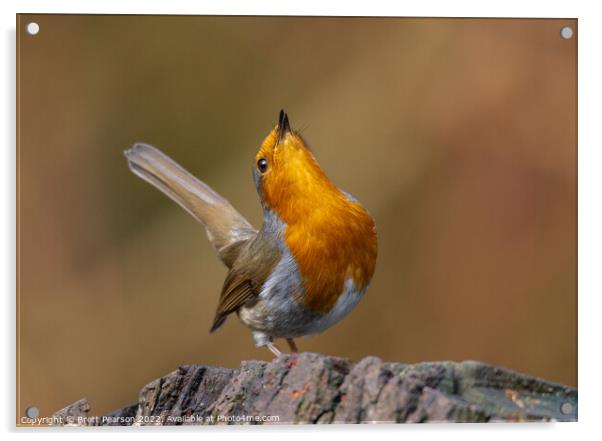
313	388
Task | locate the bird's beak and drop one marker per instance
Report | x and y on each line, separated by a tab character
284	127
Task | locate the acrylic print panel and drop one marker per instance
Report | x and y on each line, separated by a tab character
458	138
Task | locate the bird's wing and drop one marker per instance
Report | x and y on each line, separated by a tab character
245	279
226	228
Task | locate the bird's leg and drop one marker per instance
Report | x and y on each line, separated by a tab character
272	347
292	345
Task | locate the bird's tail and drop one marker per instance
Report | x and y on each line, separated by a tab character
226	228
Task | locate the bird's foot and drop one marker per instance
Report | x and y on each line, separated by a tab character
292	345
263	339
274	349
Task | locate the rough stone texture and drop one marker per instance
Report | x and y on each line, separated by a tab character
71	415
312	388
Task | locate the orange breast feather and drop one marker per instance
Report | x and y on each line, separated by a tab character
331	237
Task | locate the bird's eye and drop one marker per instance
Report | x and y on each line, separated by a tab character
262	165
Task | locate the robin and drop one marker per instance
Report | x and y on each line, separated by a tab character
311	261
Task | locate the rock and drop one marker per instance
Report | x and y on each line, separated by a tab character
313	388
74	415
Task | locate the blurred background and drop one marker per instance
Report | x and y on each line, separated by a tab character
458	135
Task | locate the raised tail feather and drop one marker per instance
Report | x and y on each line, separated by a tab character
226	228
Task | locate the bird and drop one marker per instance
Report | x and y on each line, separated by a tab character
311	261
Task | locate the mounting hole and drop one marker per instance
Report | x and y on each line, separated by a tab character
566	32
566	408
32	412
33	28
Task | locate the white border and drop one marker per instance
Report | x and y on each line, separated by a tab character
509	8
590	213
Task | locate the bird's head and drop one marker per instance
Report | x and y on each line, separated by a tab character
287	173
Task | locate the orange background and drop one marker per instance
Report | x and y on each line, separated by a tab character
459	136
